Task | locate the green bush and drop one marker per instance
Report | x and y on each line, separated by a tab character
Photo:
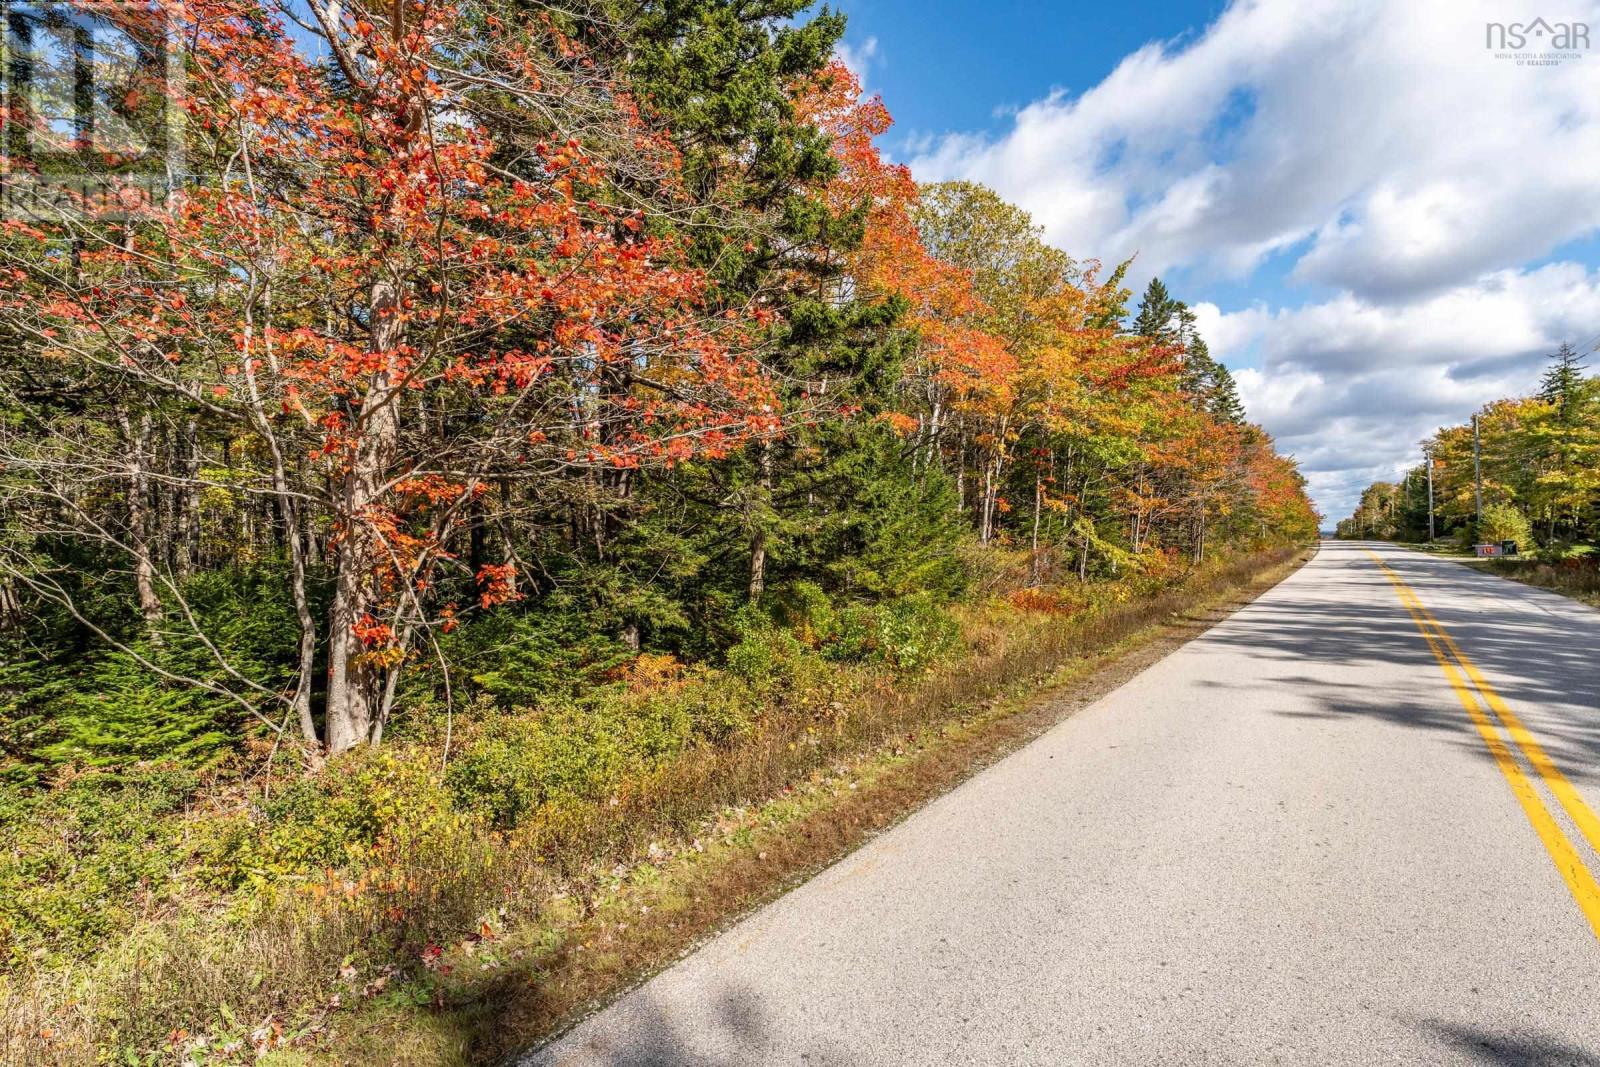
908	634
804	609
1505	522
100	707
521	658
113	711
1562	551
75	858
511	766
766	656
369	802
518	763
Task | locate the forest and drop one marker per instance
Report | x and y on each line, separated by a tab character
1530	466
516	406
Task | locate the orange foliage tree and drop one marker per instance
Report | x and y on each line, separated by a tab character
404	279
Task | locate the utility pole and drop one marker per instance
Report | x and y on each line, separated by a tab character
1477	474
1429	455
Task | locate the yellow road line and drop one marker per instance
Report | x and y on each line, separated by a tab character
1562	852
1570	799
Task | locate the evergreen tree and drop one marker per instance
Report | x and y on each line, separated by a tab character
1207	381
722	75
1198	367
1224	401
1562	384
1158	314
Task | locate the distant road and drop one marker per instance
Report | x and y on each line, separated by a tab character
1352	824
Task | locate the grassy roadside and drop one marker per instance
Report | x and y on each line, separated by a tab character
1445	549
1576	579
488	998
377	914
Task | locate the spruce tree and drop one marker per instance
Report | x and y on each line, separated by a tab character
1224	401
1158	314
722	74
1112	316
1563	382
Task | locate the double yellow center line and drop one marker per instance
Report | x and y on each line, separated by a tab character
1473	697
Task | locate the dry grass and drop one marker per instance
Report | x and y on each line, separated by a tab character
1575	578
530	922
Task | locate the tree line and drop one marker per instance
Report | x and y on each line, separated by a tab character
1534	470
488	345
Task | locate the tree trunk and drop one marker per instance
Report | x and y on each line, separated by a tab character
991	496
1038	503
139	521
296	538
984	505
352	681
758	527
186	550
477	536
961	466
10	606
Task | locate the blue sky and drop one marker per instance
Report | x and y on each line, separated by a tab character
1382	223
946	64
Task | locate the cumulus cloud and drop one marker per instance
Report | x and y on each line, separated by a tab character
1384	133
1384	153
1351	387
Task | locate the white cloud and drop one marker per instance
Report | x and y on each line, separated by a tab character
1230	335
1351	387
858	57
1381	148
1385	132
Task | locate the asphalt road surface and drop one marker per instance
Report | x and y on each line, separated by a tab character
1352	824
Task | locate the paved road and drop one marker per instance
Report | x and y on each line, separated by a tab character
1288	842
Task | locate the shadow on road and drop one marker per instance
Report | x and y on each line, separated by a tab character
652	1038
1521	1051
1542	653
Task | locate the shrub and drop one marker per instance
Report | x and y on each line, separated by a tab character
1044	601
908	634
112	711
104	708
369	801
522	658
806	611
1505	522
1565	551
766	655
74	858
512	766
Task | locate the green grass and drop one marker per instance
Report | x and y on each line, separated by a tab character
1445	547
